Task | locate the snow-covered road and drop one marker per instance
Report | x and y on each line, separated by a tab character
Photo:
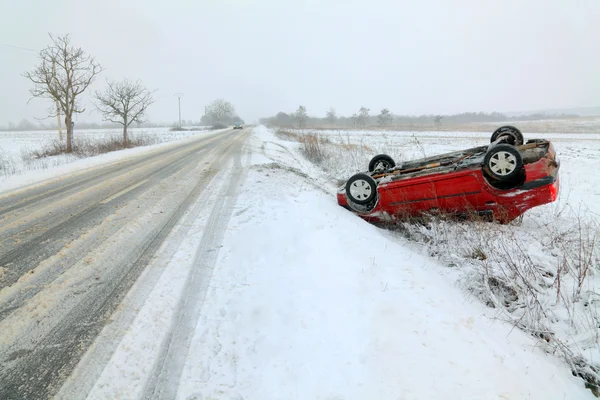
263	288
71	247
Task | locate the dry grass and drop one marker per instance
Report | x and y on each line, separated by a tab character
88	147
311	146
525	287
7	164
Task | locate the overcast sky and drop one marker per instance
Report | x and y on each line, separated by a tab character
265	56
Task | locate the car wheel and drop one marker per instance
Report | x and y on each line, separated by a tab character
381	162
361	189
513	135
503	162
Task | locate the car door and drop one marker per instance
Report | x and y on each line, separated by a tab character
458	191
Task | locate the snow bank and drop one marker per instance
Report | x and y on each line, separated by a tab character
309	301
531	270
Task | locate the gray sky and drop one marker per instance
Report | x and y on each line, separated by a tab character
265	56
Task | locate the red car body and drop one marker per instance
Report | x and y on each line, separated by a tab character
462	187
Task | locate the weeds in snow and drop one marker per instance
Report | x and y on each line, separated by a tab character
542	279
87	147
544	283
7	164
339	155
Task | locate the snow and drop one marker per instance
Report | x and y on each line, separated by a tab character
340	310
16	171
306	300
562	236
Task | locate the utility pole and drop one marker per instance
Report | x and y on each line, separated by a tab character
179	102
57	108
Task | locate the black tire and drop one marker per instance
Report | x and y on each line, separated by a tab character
503	162
361	189
381	162
513	135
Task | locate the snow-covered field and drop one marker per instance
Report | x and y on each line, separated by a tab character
17	169
577	124
541	273
15	146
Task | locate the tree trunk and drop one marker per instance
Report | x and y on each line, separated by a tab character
125	132
69	133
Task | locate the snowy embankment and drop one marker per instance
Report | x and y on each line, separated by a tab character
18	168
540	273
309	301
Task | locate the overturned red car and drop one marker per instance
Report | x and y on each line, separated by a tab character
499	181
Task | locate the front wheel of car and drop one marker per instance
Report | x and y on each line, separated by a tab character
503	162
381	162
361	189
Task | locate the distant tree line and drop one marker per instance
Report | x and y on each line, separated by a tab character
386	119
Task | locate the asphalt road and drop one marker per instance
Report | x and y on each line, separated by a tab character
72	247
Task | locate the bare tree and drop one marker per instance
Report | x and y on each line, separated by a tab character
331	116
363	116
385	117
301	116
123	103
64	73
220	112
438	121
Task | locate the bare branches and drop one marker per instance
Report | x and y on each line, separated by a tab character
63	74
124	102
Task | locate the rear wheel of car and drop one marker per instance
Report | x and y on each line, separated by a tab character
511	134
361	189
381	162
503	162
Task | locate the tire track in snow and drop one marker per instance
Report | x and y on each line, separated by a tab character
92	364
42	244
164	379
38	371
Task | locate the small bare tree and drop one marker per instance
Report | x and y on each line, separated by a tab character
123	103
331	116
385	117
363	116
437	119
64	73
301	116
